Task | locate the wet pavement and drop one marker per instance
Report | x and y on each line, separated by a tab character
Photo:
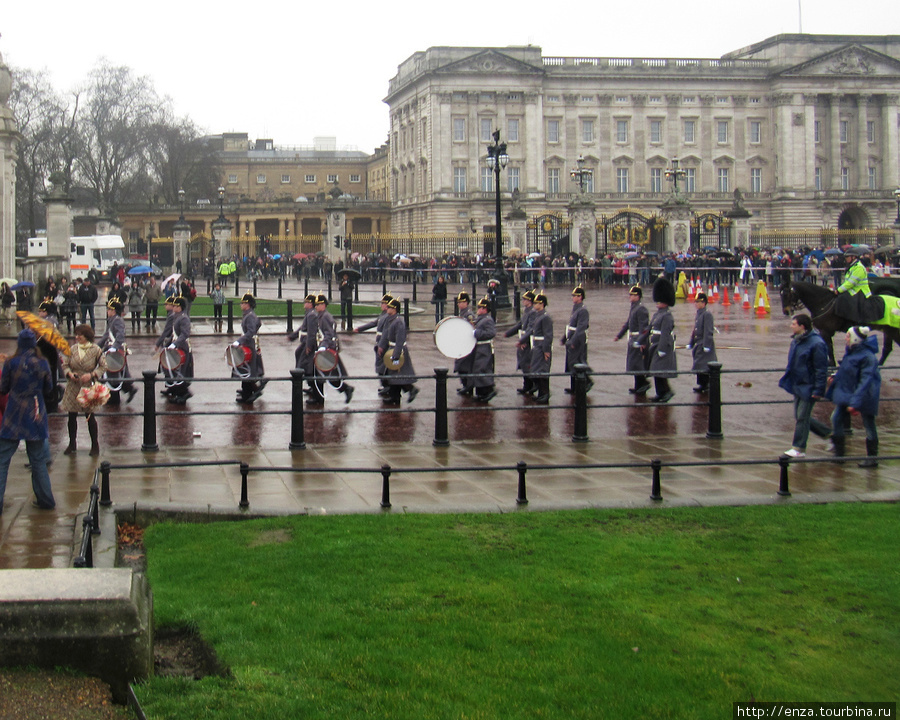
343	439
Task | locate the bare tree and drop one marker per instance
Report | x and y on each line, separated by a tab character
183	159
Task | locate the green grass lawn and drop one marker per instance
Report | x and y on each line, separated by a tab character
584	614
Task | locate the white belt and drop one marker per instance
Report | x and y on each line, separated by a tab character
393	344
484	342
656	332
537	337
521	333
637	332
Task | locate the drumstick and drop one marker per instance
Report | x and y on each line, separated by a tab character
718	347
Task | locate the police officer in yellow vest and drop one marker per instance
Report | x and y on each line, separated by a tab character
855	301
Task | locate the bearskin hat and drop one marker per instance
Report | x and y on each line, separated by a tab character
663	292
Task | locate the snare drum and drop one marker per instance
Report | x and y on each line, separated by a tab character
172	359
115	360
238	356
325	360
454	337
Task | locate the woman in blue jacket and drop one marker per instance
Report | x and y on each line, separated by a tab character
855	388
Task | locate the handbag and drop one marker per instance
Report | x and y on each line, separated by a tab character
93	396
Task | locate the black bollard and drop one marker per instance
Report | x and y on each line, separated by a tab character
385	486
656	466
383	284
290	315
298	441
517	303
441	437
230	328
245	500
306	283
237	282
714	429
415	286
279	287
255	294
783	488
149	444
580	433
104	484
406	312
522	468
329	286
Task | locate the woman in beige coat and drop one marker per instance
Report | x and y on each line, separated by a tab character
84	366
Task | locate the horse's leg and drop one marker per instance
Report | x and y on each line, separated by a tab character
886	350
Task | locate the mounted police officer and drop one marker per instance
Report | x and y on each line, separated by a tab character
855	301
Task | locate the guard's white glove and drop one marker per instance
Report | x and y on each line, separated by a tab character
321	348
660	353
635	344
706	350
235	344
172	346
689	347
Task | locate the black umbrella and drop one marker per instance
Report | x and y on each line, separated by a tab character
352	274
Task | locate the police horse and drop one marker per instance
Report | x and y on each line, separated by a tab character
819	301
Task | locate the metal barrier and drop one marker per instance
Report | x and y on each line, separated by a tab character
90	526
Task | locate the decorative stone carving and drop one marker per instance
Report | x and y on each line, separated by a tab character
850	62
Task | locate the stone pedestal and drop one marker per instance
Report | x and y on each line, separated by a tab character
181	236
221	232
60	229
677	213
9	140
583	224
335	224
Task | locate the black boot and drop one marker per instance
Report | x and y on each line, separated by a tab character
840	448
92	429
73	434
872	452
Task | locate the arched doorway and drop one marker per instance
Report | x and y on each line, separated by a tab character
853	217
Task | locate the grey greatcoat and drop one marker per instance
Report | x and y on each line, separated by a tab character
660	341
303	355
378	324
250	324
483	354
540	337
636	325
523	355
576	337
393	341
703	341
114	337
327	338
181	338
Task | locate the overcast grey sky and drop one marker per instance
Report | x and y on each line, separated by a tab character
294	71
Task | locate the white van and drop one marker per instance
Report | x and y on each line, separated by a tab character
95	255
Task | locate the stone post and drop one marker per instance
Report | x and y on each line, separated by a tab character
9	141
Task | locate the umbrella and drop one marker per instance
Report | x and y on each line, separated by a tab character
22	284
140	270
300	256
724	254
534	255
709	249
630	255
888	250
277	257
834	251
44	329
514	251
413	255
630	246
8	281
858	250
354	255
172	278
352	273
651	253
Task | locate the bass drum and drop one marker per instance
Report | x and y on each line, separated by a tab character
454	337
172	359
115	360
238	356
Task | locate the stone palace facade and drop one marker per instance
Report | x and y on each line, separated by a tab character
805	127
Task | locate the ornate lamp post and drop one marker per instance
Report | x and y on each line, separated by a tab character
221	230
580	174
497	159
897	195
673	173
181	234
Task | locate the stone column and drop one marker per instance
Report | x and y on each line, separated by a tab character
677	214
9	141
835	142
59	229
335	224
890	120
862	142
583	224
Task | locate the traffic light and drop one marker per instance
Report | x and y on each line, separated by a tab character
347	243
337	241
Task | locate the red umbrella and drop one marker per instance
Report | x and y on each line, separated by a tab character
300	256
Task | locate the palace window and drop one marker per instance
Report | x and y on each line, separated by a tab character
459	179
355	178
260	179
845	178
232	179
844	130
722	184
621	131
487	179
817	131
622	180
756	180
332	178
690	180
689	128
818	178
309	179
656	131
487	129
873	178
553	180
656	180
870	131
553	131
587	131
722	131
285	179
512	178
459	129
512	130
755	132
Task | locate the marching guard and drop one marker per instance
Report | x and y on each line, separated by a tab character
400	372
523	354
303	354
539	338
181	340
636	356
659	339
165	338
327	340
114	339
702	343
463	366
379	324
576	337
482	377
251	389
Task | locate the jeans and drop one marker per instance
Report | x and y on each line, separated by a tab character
438	310
87	309
806	422
38	455
838	423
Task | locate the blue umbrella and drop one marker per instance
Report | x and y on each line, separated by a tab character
818	255
834	251
22	284
276	257
140	270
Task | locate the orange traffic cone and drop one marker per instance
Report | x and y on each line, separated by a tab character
737	292
710	295
746	304
691	293
725	300
716	292
761	307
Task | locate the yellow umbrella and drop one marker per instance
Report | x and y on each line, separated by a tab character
44	329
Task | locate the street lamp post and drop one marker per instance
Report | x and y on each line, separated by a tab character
580	174
181	234
497	159
897	195
673	173
221	230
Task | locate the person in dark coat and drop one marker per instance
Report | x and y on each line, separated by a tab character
463	366
482	378
26	379
659	339
303	354
805	378
179	392
539	338
575	338
855	389
251	386
702	343
327	340
439	298
393	344
114	339
636	356
523	354
379	324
